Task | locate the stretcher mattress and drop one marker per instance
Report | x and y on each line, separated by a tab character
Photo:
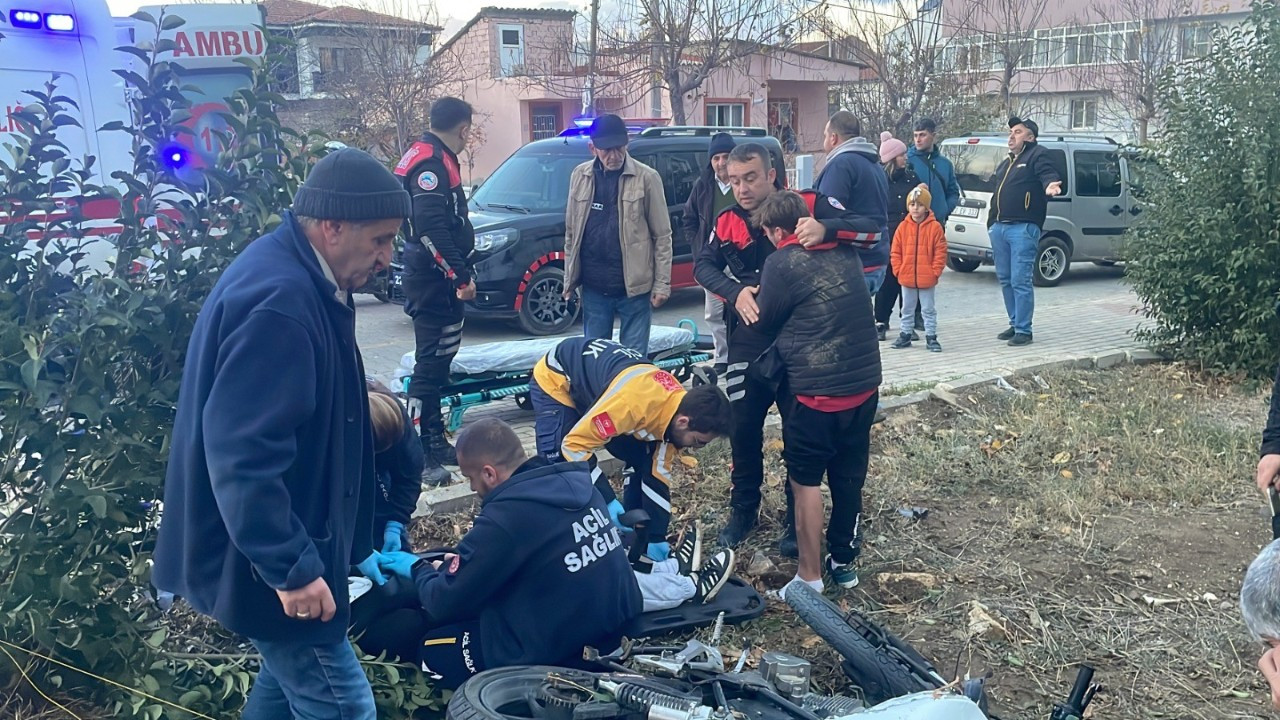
519	356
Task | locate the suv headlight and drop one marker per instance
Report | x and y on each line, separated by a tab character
495	240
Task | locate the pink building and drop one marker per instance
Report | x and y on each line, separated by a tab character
526	83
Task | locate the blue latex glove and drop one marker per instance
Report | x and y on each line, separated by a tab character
391	537
615	512
398	563
369	568
659	551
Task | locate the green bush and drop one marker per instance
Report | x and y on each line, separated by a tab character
1205	256
90	365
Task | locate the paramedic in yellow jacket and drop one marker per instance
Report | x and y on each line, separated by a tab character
593	394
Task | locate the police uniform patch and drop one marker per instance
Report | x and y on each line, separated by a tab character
835	203
428	181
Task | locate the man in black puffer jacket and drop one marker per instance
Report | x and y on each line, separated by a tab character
827	353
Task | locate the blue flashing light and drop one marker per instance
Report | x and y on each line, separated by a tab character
59	22
174	157
26	19
583	122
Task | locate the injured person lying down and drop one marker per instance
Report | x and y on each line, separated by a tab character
542	573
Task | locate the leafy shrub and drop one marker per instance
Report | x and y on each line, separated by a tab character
1205	256
90	365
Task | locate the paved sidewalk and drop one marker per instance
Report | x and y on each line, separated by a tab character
1065	330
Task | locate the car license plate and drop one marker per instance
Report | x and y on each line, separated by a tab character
968	212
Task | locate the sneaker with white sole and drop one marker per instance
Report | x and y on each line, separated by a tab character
688	552
846	575
712	577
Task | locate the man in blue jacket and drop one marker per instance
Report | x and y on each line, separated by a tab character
269	492
541	573
935	170
853	177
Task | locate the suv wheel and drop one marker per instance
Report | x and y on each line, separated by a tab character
543	309
1052	262
962	264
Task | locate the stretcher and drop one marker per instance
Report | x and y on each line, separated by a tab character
480	374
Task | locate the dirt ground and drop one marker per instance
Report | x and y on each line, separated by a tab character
1104	517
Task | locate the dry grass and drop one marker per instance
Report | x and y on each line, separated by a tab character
1060	510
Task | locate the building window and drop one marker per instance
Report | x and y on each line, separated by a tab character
726	114
1197	40
1084	114
544	122
511	50
1085	45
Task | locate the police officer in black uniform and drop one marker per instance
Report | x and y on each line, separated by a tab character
437	270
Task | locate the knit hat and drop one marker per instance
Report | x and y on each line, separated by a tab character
890	147
350	184
720	143
920	194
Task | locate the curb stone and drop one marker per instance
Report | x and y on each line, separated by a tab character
458	497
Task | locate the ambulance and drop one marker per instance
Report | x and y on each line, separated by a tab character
73	44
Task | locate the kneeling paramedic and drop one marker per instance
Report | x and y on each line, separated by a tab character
826	351
542	572
591	394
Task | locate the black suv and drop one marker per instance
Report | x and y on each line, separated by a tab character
518	214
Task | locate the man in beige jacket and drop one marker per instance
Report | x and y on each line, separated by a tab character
617	242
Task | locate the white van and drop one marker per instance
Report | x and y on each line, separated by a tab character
1086	222
72	43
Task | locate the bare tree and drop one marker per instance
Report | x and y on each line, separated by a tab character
905	76
384	76
996	44
1136	42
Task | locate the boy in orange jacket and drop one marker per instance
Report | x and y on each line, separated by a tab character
919	253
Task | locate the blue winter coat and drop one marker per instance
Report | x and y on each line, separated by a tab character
853	176
936	170
270	477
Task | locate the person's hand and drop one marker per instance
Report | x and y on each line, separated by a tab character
312	601
1054	189
391	536
810	232
369	568
615	512
659	551
414	408
1269	664
746	306
449	563
1268	472
657	299
398	563
468	291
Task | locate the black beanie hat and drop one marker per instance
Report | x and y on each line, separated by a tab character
350	184
720	143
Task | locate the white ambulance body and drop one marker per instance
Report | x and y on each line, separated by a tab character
73	44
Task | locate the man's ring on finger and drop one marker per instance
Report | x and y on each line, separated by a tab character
302	615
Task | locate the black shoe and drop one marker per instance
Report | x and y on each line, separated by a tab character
741	522
881	331
903	341
688	552
788	546
440	451
436	476
713	576
931	342
1006	335
915	335
1020	339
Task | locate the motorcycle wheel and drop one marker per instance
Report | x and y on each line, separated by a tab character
875	660
503	694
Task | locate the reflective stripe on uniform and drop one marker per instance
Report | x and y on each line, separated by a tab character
657	499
